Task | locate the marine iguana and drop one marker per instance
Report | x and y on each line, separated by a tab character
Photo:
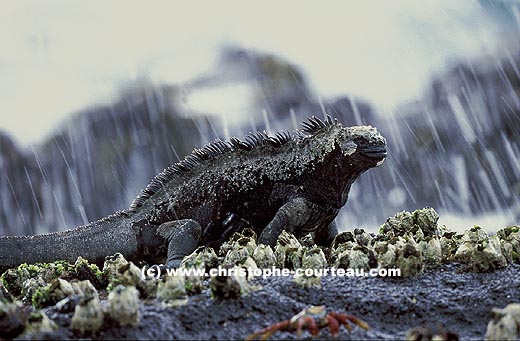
297	182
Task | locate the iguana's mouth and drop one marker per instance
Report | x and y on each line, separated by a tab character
376	153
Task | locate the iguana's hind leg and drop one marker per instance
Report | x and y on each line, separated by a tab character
183	237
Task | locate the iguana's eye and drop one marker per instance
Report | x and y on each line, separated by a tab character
348	148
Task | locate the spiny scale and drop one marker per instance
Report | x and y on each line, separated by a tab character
314	124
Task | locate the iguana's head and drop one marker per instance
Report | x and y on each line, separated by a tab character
346	152
363	146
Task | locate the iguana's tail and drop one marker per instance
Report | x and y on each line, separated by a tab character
92	242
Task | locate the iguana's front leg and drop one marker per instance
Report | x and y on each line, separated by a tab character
183	237
325	235
291	216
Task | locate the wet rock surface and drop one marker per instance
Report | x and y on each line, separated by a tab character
451	284
460	302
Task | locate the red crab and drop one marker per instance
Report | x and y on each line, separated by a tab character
313	319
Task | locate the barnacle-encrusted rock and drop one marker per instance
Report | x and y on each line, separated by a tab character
112	265
88	316
229	244
53	292
360	258
246	237
474	235
510	242
39	322
426	219
85	289
13	319
408	257
264	256
343	237
240	257
233	285
355	258
26	279
123	306
172	291
431	250
385	253
236	256
240	250
480	252
30	286
450	241
420	223
307	241
203	257
247	243
341	258
362	237
5	295
353	250
68	304
418	333
410	241
193	284
13	279
505	323
196	264
398	225
131	275
83	270
288	251
341	247
424	333
287	239
312	259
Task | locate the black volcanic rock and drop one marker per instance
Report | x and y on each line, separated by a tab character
19	195
96	162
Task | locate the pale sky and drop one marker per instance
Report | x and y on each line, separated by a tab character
57	57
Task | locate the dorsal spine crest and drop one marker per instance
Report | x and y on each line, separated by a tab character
212	150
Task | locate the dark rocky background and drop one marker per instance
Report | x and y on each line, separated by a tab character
457	149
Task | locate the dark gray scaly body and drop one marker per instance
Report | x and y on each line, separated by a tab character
268	183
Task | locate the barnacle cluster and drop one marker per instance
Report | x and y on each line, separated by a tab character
413	241
505	323
71	288
410	241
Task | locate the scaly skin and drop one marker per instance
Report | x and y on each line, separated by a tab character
268	183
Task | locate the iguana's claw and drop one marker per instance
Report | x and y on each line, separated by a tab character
313	319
